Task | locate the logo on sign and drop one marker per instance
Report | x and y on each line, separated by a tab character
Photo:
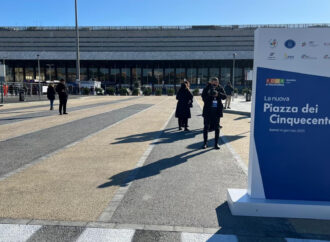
290	44
272	43
275	82
271	56
307	57
288	57
312	44
303	44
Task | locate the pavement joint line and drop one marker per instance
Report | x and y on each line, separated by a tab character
24	167
113	102
120	193
236	156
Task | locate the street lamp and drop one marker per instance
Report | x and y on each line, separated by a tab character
39	80
234	58
77	48
50	71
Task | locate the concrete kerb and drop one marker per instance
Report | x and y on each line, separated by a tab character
165	228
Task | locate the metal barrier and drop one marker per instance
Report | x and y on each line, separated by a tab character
22	91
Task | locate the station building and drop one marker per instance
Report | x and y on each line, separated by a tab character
125	55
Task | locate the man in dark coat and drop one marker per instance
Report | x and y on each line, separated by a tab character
51	95
212	95
63	96
185	100
229	92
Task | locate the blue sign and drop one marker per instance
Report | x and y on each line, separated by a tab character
292	132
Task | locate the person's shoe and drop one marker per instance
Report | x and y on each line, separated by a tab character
59	114
180	128
186	129
217	147
224	108
220	127
229	108
65	113
204	146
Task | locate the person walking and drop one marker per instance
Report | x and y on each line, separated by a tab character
63	96
212	95
51	95
185	100
229	92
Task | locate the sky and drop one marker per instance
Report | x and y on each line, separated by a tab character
162	13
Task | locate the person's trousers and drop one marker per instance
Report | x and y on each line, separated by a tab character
215	123
63	105
51	104
228	100
183	122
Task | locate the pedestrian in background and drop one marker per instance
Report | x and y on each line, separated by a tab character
51	95
63	96
212	95
185	100
229	92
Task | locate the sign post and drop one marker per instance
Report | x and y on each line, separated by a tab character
290	127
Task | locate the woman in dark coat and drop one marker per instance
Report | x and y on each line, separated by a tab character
51	95
185	100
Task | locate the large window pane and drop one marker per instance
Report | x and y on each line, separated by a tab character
60	73
239	79
9	74
29	74
19	74
169	76
125	77
180	75
202	76
50	72
83	74
115	76
158	75
71	74
93	74
104	74
225	75
192	75
136	75
146	76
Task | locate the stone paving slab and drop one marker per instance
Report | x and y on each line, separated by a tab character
12	130
19	118
180	184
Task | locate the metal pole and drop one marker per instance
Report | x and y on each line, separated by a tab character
3	81
234	56
39	79
77	46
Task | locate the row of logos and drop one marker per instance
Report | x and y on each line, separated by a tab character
290	44
272	56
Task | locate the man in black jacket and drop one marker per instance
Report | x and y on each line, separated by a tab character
63	96
212	95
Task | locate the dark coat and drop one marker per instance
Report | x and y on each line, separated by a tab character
62	91
51	92
185	100
208	99
229	90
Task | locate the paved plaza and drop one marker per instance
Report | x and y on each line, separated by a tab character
117	169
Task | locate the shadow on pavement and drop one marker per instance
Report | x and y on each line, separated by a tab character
258	228
152	169
168	136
